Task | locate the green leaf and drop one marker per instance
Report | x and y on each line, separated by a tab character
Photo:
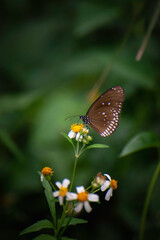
44	237
97	146
139	142
37	226
70	140
13	102
74	221
50	199
91	16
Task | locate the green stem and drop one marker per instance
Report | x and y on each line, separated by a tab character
77	150
52	185
77	154
88	188
82	149
98	189
69	219
62	220
74	172
150	189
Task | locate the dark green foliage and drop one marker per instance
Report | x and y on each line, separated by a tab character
51	55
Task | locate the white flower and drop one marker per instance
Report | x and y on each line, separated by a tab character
63	189
71	134
80	133
75	128
85	130
83	198
109	184
79	137
100	179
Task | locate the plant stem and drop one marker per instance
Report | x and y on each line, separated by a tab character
150	189
52	185
61	220
74	172
77	154
69	219
148	34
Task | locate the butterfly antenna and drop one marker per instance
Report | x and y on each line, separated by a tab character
71	117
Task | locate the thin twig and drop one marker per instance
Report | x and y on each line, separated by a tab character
92	94
148	34
147	201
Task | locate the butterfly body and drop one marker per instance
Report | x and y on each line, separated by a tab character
103	114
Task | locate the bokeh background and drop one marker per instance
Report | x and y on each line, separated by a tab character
52	55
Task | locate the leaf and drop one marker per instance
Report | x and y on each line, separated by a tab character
70	140
139	142
97	146
92	16
37	226
74	221
12	102
50	198
44	237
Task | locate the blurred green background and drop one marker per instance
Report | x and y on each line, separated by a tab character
52	54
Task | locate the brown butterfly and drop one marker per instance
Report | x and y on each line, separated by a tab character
103	114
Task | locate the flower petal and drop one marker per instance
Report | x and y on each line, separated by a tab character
87	206
79	137
71	196
92	197
80	189
79	207
60	200
109	194
105	185
107	175
85	130
41	178
71	134
65	182
58	184
56	193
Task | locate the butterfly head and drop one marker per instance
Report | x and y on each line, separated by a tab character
85	119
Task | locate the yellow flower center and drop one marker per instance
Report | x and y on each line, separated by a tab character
82	197
113	184
77	127
63	191
47	171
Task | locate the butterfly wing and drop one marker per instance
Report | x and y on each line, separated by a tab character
104	112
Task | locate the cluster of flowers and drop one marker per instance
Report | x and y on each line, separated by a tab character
72	202
80	133
82	198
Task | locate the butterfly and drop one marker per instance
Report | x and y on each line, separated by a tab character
103	114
